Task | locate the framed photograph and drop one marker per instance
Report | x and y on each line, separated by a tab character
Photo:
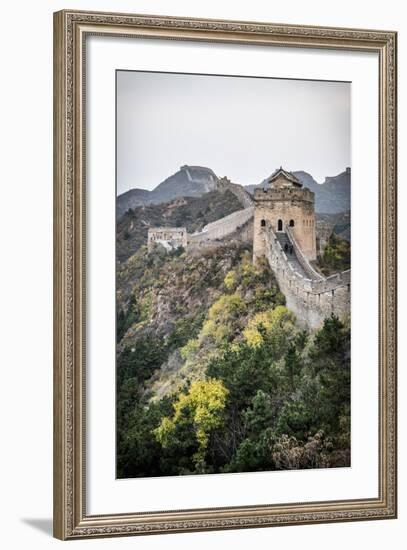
225	274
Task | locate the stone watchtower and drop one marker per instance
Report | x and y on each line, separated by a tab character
285	204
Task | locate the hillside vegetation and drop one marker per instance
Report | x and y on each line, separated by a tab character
214	375
339	223
336	256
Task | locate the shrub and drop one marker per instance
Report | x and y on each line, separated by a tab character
222	317
291	454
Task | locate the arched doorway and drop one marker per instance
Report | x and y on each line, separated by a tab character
280	225
291	223
263	223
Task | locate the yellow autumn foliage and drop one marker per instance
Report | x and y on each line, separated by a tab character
271	322
221	317
202	406
230	280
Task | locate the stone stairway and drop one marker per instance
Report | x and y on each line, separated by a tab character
283	239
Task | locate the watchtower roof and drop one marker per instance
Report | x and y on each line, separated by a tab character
289	176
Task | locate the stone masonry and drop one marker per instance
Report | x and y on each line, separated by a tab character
285	204
311	298
222	228
284	232
281	224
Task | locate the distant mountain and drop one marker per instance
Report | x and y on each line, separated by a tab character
339	223
189	181
131	199
332	196
190	212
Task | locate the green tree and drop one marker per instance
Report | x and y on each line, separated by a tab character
260	415
336	256
292	365
296	419
330	363
126	318
140	361
254	455
138	452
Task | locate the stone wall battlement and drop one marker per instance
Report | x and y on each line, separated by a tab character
311	300
307	267
286	194
242	234
219	229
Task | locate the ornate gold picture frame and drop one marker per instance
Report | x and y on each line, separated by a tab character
71	519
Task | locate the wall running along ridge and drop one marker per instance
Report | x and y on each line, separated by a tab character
313	299
309	295
222	228
245	199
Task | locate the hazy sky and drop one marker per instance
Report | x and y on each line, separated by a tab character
243	128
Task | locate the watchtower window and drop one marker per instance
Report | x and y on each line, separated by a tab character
280	225
263	223
291	223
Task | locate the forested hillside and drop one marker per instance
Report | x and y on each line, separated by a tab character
214	375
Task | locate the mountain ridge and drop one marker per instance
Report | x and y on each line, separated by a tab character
331	197
188	181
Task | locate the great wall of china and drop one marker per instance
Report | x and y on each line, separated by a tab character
221	229
311	296
235	226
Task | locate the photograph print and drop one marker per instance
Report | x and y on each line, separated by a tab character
233	270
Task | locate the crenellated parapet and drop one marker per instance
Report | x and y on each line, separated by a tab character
309	295
307	267
276	195
223	227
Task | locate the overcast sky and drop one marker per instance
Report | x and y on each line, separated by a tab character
243	128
